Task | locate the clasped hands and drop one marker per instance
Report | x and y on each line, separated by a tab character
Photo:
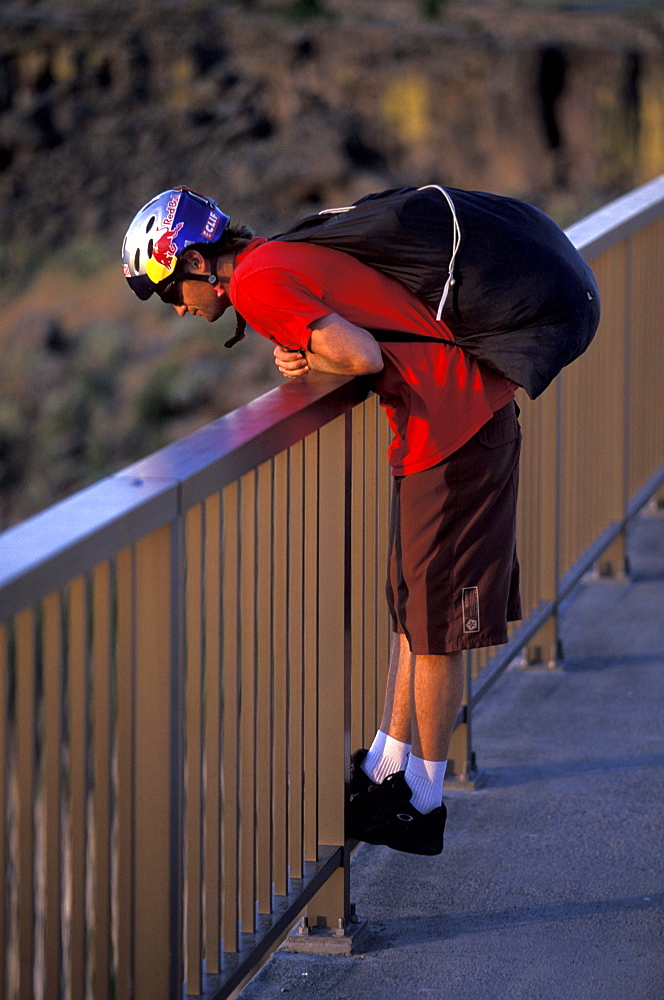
291	364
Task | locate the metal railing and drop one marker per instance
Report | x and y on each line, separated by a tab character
189	649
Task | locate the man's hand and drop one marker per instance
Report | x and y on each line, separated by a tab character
291	364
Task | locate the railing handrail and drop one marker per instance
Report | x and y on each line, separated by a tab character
621	218
41	554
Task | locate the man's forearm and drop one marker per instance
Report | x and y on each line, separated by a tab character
319	363
337	347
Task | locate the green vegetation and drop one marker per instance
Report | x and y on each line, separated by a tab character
172	390
21	261
305	10
432	9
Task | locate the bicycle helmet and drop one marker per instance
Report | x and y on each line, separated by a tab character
161	231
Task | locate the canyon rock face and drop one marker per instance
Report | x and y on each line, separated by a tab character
279	108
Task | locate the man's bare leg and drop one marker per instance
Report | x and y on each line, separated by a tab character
422	699
389	751
396	712
437	684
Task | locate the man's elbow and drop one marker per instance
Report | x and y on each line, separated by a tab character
372	368
369	364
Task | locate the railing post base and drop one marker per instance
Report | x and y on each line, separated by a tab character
655	507
535	658
469	781
613	563
344	940
545	652
462	772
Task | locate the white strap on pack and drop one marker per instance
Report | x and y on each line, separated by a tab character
456	243
336	211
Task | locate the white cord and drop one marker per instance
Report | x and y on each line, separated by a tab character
335	211
456	243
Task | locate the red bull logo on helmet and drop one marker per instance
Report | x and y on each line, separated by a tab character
165	248
171	209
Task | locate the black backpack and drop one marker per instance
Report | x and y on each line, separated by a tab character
504	278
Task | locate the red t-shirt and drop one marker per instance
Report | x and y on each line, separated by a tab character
436	396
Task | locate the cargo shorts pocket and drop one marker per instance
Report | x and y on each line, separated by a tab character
501	429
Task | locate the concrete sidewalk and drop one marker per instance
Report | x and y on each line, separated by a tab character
550	886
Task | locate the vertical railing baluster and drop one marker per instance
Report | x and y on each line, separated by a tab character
53	740
78	693
372	590
312	530
647	354
296	522
101	705
383	625
158	957
230	759
280	672
626	401
359	532
125	773
330	904
248	702
25	761
526	505
461	757
194	744
264	686
212	577
543	649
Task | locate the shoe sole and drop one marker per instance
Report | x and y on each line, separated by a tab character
409	846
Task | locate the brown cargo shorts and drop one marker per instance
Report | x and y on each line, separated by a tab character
453	572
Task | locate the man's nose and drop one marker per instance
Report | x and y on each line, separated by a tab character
180	310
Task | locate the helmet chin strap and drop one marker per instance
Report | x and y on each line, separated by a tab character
209	279
240	324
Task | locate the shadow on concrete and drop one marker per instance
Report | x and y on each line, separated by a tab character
605	662
420	930
510	777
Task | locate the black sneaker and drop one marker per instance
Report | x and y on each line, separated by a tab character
390	819
359	781
360	788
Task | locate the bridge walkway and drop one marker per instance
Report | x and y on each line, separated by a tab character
551	884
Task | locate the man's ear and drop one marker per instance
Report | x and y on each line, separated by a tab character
194	262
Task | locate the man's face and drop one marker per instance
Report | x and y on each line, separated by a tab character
197	298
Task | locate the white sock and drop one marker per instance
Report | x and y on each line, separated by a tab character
425	779
385	756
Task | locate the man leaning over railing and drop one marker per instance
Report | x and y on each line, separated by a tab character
448	391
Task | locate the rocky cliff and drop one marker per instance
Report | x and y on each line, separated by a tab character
277	108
